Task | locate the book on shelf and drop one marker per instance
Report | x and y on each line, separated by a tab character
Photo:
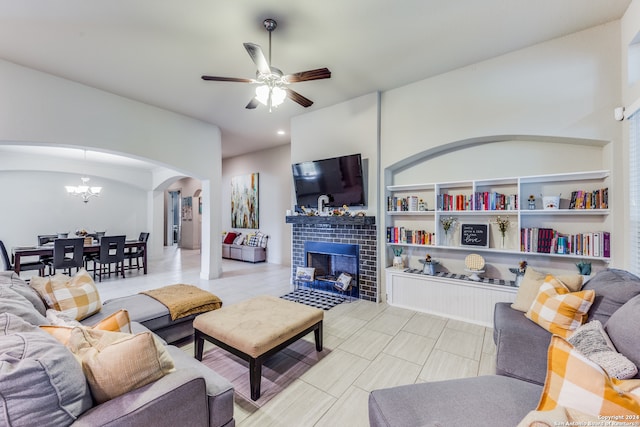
403	235
548	240
478	201
596	199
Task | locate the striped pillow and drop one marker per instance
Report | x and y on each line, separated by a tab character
575	382
557	310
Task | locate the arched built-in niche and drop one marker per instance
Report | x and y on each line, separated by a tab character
489	158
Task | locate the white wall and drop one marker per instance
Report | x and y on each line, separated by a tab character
35	202
566	88
630	29
350	127
275	181
42	109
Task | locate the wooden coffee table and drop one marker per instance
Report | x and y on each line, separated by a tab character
257	328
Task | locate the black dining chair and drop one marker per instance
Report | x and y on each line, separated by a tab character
68	254
47	260
111	252
24	266
134	254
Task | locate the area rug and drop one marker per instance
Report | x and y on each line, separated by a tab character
317	299
278	372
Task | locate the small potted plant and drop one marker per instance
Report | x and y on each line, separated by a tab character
397	258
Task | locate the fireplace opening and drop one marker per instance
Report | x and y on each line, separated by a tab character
330	260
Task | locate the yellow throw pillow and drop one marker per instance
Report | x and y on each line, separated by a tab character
116	322
530	285
76	296
575	382
79	296
116	363
557	310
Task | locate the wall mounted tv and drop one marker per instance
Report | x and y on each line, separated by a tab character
340	178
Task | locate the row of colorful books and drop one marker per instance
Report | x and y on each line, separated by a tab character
478	201
548	240
596	199
413	237
403	204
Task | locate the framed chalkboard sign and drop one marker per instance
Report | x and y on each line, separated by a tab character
474	235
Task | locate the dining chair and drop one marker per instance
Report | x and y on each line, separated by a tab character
24	266
134	254
47	260
68	254
111	252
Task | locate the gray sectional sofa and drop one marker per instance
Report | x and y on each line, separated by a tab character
521	365
191	395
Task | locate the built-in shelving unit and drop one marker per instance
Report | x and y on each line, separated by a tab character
462	200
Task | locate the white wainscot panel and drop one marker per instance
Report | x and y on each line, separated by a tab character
452	298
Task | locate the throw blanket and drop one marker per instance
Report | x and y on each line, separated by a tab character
184	300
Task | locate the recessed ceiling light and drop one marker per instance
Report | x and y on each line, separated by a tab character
280	132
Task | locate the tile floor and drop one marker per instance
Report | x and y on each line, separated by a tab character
367	345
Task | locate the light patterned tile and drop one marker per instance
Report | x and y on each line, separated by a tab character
342	327
488	346
410	347
425	325
444	366
487	364
465	327
388	371
366	343
335	373
348	410
463	344
387	323
300	404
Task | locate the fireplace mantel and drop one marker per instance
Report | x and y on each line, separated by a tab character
318	219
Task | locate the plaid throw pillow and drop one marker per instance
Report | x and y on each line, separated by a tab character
261	239
253	241
558	310
574	381
79	297
116	322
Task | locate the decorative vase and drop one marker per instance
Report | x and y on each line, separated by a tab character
397	262
503	244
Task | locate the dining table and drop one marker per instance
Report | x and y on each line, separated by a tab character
19	252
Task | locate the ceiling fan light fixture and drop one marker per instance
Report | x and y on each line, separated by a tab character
277	96
262	94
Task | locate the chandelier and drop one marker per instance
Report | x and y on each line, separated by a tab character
84	191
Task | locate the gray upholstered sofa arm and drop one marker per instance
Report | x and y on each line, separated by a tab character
177	399
521	345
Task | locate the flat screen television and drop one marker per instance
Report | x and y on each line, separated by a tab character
339	178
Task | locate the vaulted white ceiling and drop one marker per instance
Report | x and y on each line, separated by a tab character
155	51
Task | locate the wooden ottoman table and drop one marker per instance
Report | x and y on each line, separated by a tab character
256	329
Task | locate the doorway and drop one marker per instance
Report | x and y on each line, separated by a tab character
173	216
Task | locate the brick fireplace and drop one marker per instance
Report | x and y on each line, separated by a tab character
357	232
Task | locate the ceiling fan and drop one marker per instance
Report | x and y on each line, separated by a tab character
272	84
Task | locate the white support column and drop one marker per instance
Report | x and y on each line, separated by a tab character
211	249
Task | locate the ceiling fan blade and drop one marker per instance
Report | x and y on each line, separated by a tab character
252	104
228	79
296	97
317	74
255	52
